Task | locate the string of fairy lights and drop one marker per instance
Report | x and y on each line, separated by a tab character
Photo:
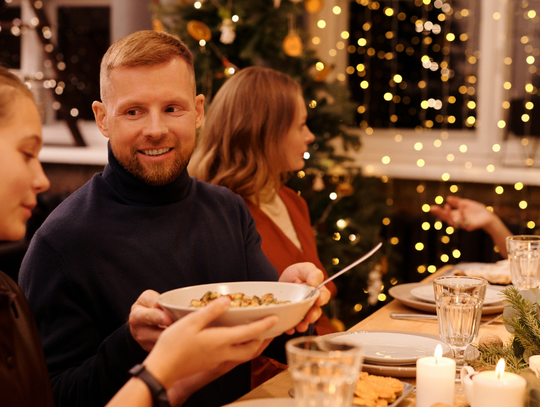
364	44
435	41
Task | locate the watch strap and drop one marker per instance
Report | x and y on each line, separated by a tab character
159	394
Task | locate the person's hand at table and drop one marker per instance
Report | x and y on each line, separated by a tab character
464	213
471	215
146	320
187	355
307	273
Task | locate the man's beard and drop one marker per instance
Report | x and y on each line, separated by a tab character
156	174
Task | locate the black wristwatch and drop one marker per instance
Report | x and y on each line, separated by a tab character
159	394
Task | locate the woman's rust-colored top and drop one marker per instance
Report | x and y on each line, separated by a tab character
279	249
282	253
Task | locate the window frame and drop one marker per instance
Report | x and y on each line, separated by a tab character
492	73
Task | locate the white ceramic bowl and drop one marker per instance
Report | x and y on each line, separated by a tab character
176	302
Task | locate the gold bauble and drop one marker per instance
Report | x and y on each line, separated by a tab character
292	45
345	189
313	6
199	30
320	76
157	25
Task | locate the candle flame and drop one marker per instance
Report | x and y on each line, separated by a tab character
500	368
438	353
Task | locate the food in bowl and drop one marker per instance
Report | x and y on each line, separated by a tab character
237	300
177	303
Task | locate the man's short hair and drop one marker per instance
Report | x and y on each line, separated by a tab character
143	48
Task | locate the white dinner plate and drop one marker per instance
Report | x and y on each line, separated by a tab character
396	348
402	293
425	293
282	402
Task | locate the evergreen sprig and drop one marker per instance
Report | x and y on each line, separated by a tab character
491	354
525	323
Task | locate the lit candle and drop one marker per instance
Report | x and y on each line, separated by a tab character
435	378
534	364
498	388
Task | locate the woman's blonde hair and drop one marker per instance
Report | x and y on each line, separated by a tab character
241	145
11	86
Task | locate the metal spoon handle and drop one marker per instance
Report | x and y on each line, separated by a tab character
350	266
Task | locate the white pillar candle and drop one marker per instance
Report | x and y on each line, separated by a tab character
435	379
498	389
534	364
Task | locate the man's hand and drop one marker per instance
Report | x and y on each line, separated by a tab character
147	321
307	273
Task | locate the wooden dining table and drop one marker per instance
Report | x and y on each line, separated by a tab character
280	385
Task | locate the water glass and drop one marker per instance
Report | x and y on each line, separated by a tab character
459	309
324	372
524	259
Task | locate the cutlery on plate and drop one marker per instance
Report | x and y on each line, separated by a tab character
398	315
350	266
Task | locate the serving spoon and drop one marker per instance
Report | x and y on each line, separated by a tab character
350	266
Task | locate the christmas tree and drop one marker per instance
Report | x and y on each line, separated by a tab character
347	209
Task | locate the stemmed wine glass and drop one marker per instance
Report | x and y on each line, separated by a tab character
459	309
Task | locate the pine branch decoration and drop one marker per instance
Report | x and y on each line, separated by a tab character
491	354
525	322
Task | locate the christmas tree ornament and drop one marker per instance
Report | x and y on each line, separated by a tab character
313	6
199	30
345	189
318	182
157	25
292	44
227	31
320	76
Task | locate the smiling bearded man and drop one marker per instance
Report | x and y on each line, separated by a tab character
143	223
151	126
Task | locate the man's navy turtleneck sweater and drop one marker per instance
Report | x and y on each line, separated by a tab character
108	242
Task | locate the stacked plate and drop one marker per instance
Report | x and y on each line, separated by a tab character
426	293
392	353
420	296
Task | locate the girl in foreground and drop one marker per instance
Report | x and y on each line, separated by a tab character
254	135
186	351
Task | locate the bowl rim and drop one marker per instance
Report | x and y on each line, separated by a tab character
239	309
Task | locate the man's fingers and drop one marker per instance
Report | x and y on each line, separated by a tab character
313	315
324	296
148	299
141	315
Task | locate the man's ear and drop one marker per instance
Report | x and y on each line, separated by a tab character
199	108
100	113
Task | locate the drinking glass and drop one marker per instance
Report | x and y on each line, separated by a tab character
324	372
459	309
524	258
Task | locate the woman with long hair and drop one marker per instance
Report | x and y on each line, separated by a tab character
254	135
